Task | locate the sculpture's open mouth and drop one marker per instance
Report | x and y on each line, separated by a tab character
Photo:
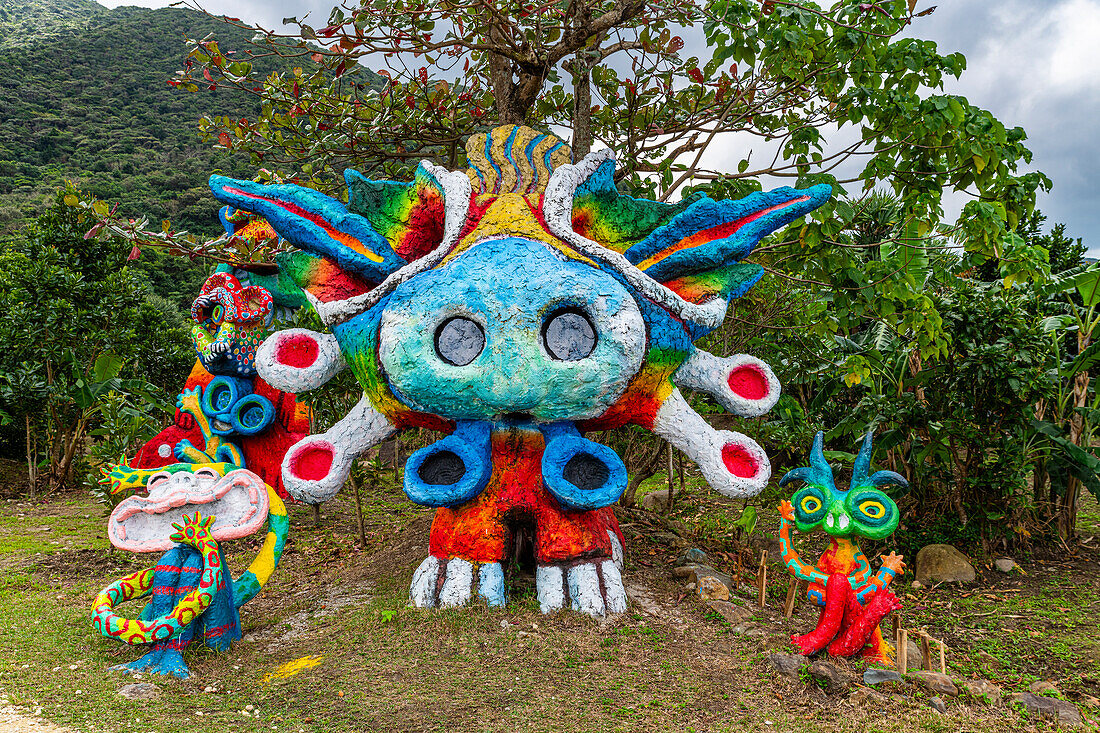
239	503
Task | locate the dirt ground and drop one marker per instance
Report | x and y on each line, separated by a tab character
331	644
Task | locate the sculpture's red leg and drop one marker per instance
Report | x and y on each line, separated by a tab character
856	636
837	591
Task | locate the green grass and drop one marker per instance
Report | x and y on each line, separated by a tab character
385	666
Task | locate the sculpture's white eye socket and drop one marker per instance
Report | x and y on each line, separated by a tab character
158	482
459	340
568	335
206	476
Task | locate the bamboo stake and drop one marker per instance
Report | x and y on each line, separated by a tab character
925	652
943	657
668	507
792	596
396	455
762	578
903	651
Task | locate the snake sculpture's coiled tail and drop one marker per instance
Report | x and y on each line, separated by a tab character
195	532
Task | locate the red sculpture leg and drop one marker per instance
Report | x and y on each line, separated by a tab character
837	591
856	636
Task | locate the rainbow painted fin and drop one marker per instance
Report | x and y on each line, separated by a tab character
321	277
615	221
708	235
409	215
316	223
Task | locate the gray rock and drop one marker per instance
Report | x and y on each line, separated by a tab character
694	556
1048	707
656	502
698	572
1042	687
865	695
710	588
936	682
787	665
771	544
988	661
733	613
746	628
684	571
678	527
913	659
1004	564
938	704
983	690
876	675
139	691
938	563
666	538
833	677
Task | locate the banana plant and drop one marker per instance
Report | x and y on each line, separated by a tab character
1065	428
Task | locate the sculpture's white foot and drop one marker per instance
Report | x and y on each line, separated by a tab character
451	582
595	587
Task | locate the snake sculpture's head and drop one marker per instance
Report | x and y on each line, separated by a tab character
863	510
525	293
230	322
238	501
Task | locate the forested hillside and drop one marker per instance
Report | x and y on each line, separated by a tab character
88	102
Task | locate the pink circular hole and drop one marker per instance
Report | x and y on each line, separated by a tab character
312	462
298	350
749	382
739	461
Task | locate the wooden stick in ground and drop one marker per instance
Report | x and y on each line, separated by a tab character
358	506
668	506
396	455
762	578
792	596
925	652
943	657
903	651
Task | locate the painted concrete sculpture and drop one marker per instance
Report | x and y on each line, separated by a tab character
515	306
192	591
853	601
225	413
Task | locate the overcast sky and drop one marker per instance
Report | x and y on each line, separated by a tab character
1032	63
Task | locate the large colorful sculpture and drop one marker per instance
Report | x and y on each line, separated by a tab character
516	306
853	600
191	588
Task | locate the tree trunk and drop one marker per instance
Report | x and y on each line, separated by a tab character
1067	520
641	474
32	480
582	109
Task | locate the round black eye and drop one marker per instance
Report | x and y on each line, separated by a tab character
568	335
459	340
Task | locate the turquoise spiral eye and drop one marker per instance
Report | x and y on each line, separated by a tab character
810	505
873	512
